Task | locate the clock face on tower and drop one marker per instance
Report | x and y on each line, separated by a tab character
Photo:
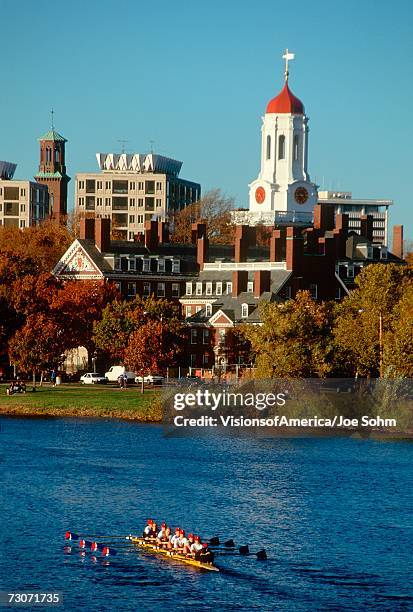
260	195
301	195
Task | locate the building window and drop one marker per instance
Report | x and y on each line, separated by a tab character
99	201
296	142
81	184
108	185
208	290
117	263
22	223
131	218
250	286
218	288
81	201
146	289
99	184
150	187
176	266
140	219
268	147
132	262
22	208
205	336
140	186
244	311
107	201
175	289
208	310
140	202
158	186
131	236
160	290
205	359
199	288
350	272
146	265
22	192
132	202
313	291
131	289
194	336
131	186
188	289
229	288
161	265
281	147
188	311
158	202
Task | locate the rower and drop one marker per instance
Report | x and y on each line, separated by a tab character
164	536
175	537
196	547
161	534
190	541
148	529
182	541
205	555
154	530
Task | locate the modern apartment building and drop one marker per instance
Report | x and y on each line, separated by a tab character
344	203
132	189
22	203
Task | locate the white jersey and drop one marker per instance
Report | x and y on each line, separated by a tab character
147	529
196	547
162	534
174	539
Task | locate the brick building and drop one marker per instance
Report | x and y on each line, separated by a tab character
52	172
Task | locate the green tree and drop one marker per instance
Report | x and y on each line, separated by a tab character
294	340
366	316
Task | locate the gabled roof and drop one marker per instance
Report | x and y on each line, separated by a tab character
82	261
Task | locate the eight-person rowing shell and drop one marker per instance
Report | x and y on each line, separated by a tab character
190	546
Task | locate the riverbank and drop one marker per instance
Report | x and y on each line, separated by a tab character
92	401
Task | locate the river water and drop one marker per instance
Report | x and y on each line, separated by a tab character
335	516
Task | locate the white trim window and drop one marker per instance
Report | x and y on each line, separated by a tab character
161	265
160	291
350	271
250	287
131	289
208	310
244	311
188	311
199	289
314	291
194	336
208	289
146	265
175	289
205	336
176	266
132	264
188	290
218	288
229	287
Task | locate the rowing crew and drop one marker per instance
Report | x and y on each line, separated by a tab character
190	545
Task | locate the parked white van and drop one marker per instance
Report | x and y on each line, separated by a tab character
115	371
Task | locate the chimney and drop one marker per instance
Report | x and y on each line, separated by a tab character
163	232
151	235
340	235
245	236
200	238
366	227
87	228
277	242
239	282
262	282
324	217
398	241
102	234
294	249
327	247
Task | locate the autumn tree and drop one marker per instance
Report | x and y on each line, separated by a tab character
367	319
294	340
215	208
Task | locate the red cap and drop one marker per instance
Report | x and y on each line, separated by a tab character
163	525
177	530
150	521
197	538
191	535
182	531
204	545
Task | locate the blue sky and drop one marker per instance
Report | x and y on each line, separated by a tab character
195	77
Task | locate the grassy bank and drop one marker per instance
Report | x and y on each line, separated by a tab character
74	400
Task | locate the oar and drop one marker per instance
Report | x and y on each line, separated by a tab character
70	535
216	542
244	551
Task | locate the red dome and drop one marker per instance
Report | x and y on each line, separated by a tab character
285	102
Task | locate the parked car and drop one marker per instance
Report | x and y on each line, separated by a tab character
115	371
93	378
150	379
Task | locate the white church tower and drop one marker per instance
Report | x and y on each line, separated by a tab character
283	190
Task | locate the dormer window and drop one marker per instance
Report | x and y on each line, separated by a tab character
218	289
199	288
208	290
132	263
208	310
250	286
176	265
161	265
229	288
188	288
146	267
244	311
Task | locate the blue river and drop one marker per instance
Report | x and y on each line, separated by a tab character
335	516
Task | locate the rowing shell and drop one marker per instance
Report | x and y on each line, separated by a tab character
141	543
